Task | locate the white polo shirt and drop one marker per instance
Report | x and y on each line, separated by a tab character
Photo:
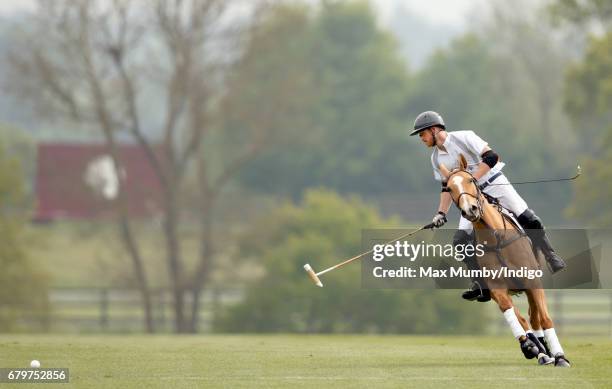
462	142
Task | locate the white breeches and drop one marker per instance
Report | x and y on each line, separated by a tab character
507	196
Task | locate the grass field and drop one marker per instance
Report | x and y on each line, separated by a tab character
304	361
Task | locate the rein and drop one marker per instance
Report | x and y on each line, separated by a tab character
500	242
478	196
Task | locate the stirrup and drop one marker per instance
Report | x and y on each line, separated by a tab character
476	292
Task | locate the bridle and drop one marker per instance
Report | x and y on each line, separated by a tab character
501	243
477	196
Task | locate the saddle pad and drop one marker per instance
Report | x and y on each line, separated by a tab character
510	216
506	213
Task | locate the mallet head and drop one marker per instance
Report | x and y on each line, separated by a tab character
313	275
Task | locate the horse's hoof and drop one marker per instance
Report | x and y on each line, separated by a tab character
561	361
544	359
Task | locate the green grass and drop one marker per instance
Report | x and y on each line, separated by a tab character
75	254
91	254
304	361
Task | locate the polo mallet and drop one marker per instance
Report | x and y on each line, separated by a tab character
578	173
315	276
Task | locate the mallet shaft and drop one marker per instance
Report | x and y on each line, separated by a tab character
370	251
578	173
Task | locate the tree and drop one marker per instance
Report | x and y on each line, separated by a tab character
326	227
267	103
460	83
530	59
587	95
491	81
577	21
524	47
23	288
582	12
357	139
588	100
98	65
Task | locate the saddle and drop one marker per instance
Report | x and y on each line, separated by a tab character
506	214
509	217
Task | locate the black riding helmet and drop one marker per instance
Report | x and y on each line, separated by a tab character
427	119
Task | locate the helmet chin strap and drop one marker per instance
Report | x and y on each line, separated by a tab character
433	134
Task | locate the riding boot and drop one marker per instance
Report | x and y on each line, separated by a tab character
535	230
554	261
478	290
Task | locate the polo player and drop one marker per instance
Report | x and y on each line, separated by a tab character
486	167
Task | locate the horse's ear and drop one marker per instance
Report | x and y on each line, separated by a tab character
462	162
444	171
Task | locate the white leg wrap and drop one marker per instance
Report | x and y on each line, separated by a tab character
539	333
515	326
553	342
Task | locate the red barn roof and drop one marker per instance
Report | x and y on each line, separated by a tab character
62	188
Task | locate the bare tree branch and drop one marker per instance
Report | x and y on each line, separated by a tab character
94	67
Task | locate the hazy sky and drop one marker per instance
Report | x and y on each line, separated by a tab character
451	12
445	11
7	6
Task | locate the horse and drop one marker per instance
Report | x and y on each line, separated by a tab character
506	245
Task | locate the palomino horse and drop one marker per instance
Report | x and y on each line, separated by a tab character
507	246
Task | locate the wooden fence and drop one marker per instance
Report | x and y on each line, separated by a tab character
95	310
574	312
104	310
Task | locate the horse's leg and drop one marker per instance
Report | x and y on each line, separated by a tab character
536	320
518	324
537	303
537	300
504	302
537	335
522	320
534	316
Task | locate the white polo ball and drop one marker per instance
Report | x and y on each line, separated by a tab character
35	364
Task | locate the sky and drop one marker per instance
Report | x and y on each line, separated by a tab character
449	12
8	6
444	11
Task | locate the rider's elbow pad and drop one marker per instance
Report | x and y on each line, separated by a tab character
490	157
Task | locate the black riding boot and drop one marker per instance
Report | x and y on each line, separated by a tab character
535	230
478	290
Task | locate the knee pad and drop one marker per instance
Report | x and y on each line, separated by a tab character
533	226
530	221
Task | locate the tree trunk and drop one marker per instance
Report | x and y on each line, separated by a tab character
128	239
124	225
174	261
130	244
204	266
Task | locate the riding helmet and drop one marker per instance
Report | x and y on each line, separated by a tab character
427	119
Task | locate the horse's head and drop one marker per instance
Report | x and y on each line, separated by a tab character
463	190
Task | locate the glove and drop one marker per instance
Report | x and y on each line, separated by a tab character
439	220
